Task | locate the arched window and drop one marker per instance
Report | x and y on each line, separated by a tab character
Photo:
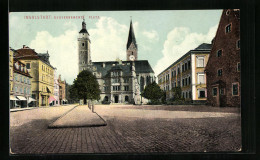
126	98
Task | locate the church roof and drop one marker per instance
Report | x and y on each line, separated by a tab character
131	36
141	66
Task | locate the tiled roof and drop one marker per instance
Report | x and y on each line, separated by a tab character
141	66
26	53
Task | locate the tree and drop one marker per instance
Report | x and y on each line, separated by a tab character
86	86
177	93
153	92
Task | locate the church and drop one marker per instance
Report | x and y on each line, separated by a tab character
119	81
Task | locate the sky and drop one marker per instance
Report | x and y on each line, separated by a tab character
162	36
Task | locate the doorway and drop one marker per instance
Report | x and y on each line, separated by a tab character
116	99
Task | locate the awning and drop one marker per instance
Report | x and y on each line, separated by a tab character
13	98
30	100
21	98
51	99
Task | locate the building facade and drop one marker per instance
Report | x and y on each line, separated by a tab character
21	85
56	89
119	81
223	68
42	72
188	73
62	91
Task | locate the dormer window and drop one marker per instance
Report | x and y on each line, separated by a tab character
227	12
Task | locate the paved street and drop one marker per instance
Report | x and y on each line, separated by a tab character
135	129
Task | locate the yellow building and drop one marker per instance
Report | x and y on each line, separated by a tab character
42	72
188	73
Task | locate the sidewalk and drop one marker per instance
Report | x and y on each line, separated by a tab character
80	116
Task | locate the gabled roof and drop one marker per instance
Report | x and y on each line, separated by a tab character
131	36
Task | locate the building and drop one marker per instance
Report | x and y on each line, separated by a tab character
42	72
188	73
119	81
21	85
11	77
56	90
223	68
62	91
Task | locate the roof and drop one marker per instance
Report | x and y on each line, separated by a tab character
84	29
141	66
203	47
28	54
131	36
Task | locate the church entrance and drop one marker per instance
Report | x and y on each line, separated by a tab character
116	99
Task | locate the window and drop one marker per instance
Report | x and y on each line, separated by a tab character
201	79
188	64
235	89
219	53
182	82
214	91
21	79
15	89
200	61
238	67
187	95
186	81
182	68
227	12
220	72
189	81
24	80
28	80
21	90
83	62
126	80
24	90
106	98
222	91
126	88
201	93
228	28
83	44
178	70
116	88
238	44
28	65
179	83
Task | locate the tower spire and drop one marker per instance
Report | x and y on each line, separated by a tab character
131	36
84	29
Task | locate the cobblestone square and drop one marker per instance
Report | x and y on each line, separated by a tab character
130	129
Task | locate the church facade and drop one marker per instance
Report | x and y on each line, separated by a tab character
119	81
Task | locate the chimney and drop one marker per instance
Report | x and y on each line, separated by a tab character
24	46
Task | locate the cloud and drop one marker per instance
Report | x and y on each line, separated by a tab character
62	50
151	35
179	41
108	40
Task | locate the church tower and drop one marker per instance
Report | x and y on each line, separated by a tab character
84	48
131	46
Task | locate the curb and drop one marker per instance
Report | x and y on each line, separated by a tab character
49	126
